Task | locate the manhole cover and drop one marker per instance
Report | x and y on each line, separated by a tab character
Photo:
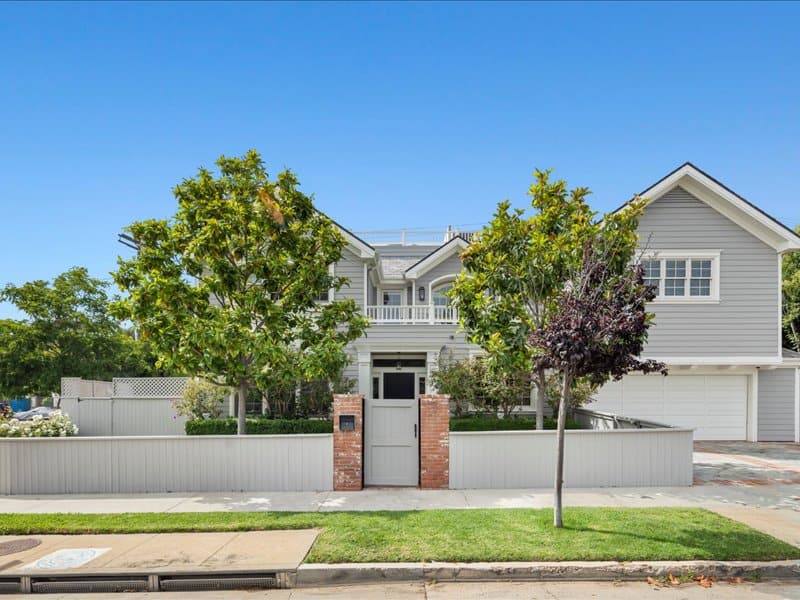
15	546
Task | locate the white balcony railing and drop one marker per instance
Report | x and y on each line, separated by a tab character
412	314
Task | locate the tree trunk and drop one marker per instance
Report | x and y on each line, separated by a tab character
563	402
241	423
541	382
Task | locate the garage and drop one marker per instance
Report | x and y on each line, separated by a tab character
714	405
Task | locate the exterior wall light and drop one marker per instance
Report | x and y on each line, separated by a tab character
422	293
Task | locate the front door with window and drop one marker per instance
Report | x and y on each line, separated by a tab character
391	429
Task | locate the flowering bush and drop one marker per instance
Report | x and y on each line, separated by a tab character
201	399
57	425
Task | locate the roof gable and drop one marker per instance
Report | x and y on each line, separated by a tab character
436	257
725	201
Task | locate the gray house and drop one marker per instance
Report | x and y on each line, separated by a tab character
716	262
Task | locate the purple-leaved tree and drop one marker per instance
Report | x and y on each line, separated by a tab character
599	327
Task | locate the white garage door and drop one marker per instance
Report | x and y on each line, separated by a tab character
714	405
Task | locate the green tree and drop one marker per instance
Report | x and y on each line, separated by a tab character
67	331
227	289
791	299
512	273
599	327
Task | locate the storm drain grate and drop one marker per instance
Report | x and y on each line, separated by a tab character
10	586
87	585
261	581
14	546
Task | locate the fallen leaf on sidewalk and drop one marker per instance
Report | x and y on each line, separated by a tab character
674	580
653	581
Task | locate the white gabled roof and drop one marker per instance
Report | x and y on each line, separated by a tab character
728	203
364	249
436	257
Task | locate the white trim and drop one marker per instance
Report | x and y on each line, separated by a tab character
436	257
364	250
780	305
719	360
332	273
366	288
726	203
752	433
688	255
797	405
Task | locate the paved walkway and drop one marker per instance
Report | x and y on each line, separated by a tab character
159	553
485	591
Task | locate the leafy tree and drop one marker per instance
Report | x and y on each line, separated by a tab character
513	271
791	299
600	326
227	289
482	385
67	331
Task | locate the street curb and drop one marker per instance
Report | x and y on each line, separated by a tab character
341	574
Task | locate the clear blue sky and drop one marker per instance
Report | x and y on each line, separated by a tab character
391	114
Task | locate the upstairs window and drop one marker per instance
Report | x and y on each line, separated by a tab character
439	296
684	277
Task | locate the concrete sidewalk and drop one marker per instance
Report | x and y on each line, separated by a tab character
99	555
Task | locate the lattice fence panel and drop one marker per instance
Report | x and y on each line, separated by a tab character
149	387
75	387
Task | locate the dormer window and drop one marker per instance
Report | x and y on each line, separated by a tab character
683	276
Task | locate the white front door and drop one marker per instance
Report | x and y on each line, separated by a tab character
391	431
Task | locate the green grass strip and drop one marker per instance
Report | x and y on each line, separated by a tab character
460	535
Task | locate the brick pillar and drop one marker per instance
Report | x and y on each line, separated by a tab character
434	441
348	445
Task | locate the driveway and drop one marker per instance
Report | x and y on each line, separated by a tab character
763	474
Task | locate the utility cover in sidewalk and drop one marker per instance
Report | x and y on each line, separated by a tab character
20	545
67	558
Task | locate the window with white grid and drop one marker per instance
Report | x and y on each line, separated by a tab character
683	277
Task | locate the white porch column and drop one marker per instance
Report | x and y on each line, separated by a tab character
365	374
432	363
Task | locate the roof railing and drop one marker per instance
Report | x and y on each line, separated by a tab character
408	237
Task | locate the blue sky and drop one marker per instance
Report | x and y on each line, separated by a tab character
392	115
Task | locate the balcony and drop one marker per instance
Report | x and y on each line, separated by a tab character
413	315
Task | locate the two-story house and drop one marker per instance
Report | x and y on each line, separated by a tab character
715	260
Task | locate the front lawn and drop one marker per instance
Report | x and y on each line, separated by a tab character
460	535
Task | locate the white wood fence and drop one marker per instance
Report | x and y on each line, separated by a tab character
613	458
123	416
126	405
134	465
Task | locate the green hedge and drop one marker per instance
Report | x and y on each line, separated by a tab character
509	424
258	426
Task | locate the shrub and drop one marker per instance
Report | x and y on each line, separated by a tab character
57	425
258	426
480	423
201	399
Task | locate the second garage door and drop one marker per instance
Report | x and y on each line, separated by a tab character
714	405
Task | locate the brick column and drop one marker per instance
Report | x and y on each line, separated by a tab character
348	445
434	441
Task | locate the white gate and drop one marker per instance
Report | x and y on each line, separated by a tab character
391	432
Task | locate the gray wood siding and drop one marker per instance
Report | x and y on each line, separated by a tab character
352	267
415	338
776	405
450	266
616	458
164	464
745	321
